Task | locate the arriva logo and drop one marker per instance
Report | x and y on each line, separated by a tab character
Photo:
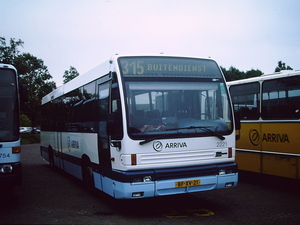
158	146
254	137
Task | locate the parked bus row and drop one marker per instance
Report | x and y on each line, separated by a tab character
145	126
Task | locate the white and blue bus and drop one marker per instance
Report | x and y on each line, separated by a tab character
10	146
143	126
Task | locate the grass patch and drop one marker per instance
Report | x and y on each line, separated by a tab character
30	138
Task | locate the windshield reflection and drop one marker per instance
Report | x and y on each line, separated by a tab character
9	129
163	108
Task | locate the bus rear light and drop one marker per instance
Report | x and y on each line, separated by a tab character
6	168
16	149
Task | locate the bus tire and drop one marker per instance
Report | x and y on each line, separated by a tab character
87	174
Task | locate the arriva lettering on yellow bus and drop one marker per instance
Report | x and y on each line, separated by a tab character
269	137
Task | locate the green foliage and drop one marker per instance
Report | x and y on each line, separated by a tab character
235	74
253	73
9	53
282	66
30	138
24	121
35	75
70	74
32	72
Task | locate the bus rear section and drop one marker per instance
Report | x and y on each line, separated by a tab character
10	165
143	126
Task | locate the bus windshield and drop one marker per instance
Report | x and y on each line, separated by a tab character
9	128
179	108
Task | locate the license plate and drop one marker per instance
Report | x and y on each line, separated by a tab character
187	183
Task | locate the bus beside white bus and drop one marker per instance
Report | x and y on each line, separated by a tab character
143	126
269	108
10	145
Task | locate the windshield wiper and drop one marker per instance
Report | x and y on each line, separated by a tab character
191	127
208	130
157	137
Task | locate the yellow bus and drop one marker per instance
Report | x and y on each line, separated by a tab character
269	109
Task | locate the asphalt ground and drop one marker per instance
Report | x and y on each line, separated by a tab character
54	197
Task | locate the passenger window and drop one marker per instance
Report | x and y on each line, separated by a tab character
245	99
281	98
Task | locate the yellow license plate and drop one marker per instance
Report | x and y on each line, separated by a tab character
187	183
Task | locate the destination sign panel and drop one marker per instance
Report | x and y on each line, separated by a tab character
168	67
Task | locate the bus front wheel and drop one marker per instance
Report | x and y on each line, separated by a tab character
87	174
51	158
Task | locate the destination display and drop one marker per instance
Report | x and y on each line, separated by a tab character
168	66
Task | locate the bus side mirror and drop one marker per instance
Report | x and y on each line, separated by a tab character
23	91
111	126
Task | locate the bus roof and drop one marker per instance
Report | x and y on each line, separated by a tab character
276	75
98	71
91	75
7	66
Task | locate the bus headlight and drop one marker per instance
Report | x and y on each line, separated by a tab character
142	179
147	178
6	168
225	171
222	172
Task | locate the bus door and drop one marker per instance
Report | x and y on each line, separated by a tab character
246	102
280	130
249	146
58	148
58	138
103	141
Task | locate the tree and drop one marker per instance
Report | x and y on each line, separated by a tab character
282	66
70	74
35	75
253	73
233	74
24	121
32	72
9	53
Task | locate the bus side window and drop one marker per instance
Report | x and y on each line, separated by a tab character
117	111
245	98
281	98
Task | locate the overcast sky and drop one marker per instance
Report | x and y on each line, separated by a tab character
245	34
